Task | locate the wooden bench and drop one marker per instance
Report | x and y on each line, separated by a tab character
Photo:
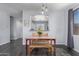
41	43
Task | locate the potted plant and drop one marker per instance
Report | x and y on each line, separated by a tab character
39	31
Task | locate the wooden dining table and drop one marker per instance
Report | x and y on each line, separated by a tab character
30	45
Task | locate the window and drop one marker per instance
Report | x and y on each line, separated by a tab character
76	22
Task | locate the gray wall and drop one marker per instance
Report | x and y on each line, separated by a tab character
57	25
4	28
17	28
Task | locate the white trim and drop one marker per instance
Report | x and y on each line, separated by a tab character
76	50
4	43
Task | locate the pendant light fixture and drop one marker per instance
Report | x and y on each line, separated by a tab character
44	9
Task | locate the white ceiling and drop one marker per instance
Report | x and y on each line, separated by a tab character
17	8
37	6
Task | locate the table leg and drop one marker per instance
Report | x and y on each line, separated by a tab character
29	51
54	47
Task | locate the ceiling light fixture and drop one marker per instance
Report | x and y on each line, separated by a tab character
44	9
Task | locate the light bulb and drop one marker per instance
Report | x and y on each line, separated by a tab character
42	12
46	9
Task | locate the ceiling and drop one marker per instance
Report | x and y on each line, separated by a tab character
17	8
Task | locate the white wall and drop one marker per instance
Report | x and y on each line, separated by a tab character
57	25
4	28
66	25
26	28
17	28
5	13
76	43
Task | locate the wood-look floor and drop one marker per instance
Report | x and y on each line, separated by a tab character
15	48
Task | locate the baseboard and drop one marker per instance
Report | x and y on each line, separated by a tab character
76	50
4	43
73	52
